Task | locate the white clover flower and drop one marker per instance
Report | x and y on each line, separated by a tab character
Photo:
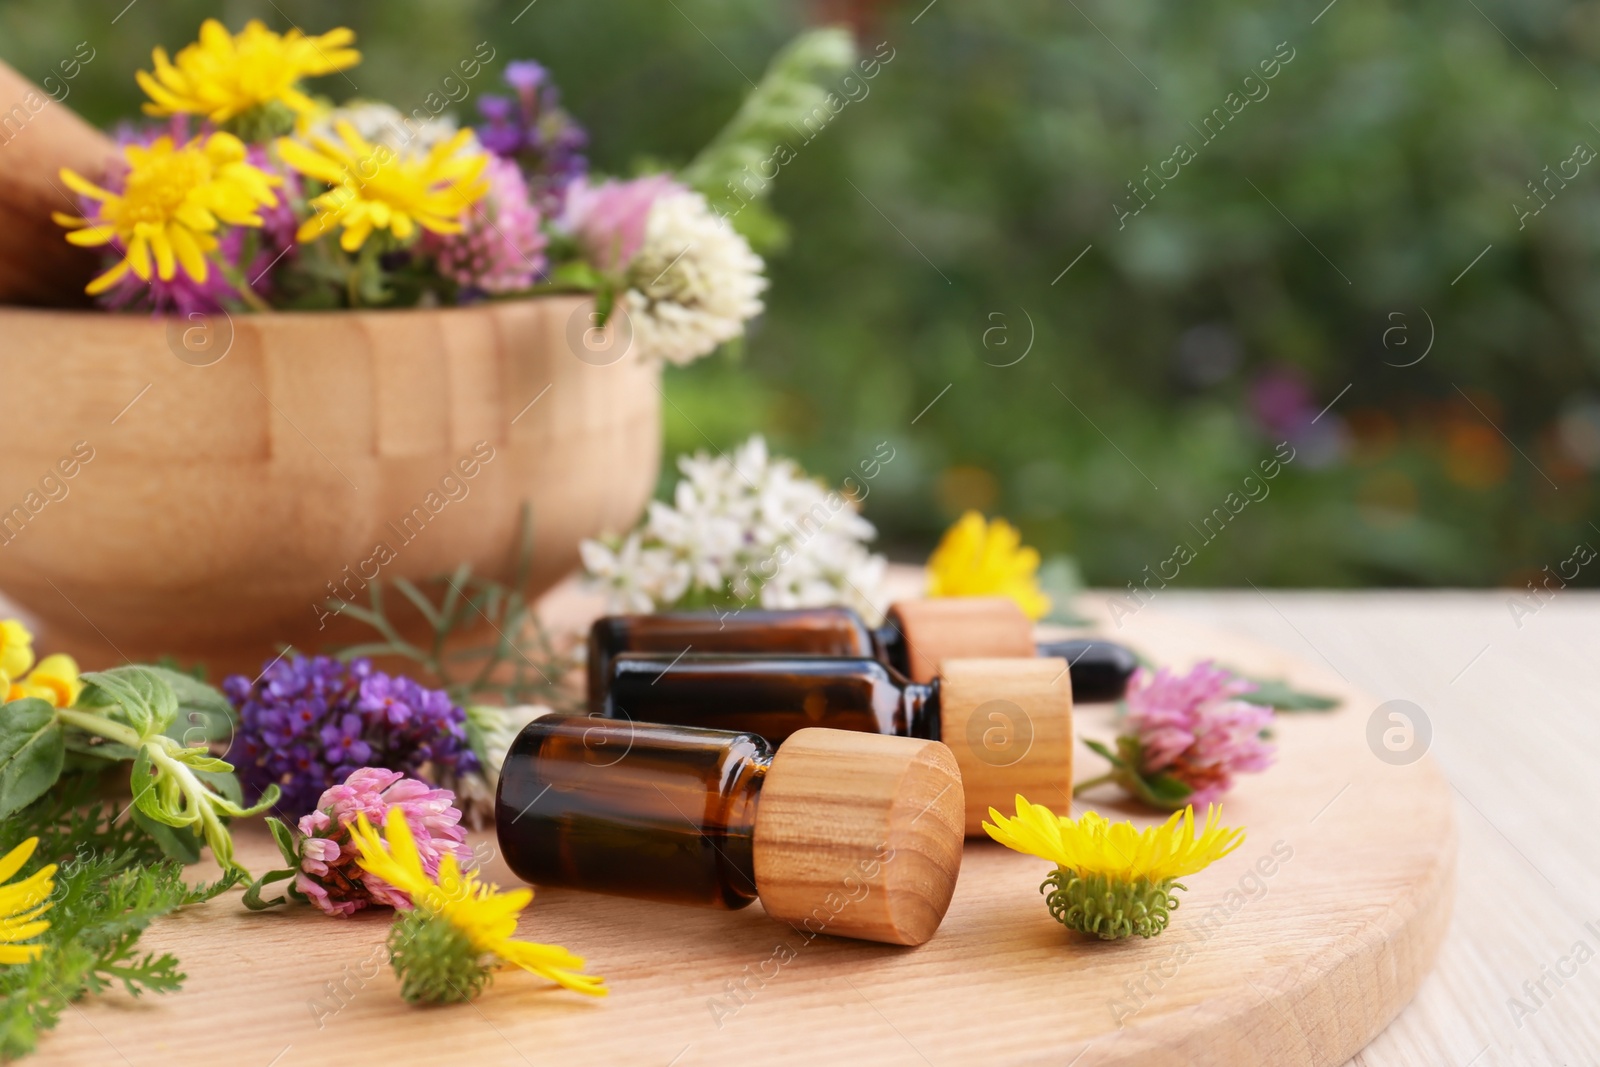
694	282
750	529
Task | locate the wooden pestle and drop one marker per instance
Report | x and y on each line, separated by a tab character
39	136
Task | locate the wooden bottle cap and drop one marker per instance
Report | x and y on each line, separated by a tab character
859	835
37	265
1009	724
971	626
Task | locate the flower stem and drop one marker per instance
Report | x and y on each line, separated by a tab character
99	725
249	296
1084	787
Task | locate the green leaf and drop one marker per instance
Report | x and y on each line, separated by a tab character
156	795
252	895
1278	693
284	836
789	93
179	843
32	749
420	602
225	783
204	714
98	747
204	761
1162	791
574	274
146	698
605	298
235	809
1101	749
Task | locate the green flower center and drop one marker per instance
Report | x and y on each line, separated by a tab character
1109	908
435	962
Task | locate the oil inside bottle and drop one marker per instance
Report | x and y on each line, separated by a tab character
771	696
661	812
831	631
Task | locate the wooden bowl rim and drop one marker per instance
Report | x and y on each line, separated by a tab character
76	317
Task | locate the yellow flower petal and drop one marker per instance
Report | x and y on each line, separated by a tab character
105	281
374	188
223	75
83	186
485	916
16	652
55	680
13	860
1089	845
172	201
21	904
978	558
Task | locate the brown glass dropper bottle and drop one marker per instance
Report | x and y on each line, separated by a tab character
1007	721
840	833
915	637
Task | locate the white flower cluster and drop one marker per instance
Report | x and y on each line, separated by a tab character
693	283
753	530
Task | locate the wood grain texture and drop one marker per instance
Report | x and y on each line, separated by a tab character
1009	724
975	627
39	136
859	835
225	503
1297	949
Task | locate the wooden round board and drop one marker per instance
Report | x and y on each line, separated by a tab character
1296	949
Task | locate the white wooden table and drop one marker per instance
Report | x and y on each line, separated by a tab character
1515	714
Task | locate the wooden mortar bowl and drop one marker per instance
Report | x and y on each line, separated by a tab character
246	468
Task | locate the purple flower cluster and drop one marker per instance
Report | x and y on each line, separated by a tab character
307	723
532	129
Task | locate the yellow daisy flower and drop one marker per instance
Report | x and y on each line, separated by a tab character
173	201
374	187
16	648
55	681
439	948
222	76
978	558
21	904
1113	879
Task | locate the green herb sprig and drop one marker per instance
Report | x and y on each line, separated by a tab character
520	664
112	883
159	720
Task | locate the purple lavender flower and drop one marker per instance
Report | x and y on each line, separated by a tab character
308	723
532	129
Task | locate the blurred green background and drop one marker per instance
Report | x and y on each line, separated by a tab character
1375	203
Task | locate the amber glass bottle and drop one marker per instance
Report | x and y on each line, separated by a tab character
844	833
666	813
770	696
1007	720
915	637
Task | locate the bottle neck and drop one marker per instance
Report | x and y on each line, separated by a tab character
921	709
736	855
889	645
